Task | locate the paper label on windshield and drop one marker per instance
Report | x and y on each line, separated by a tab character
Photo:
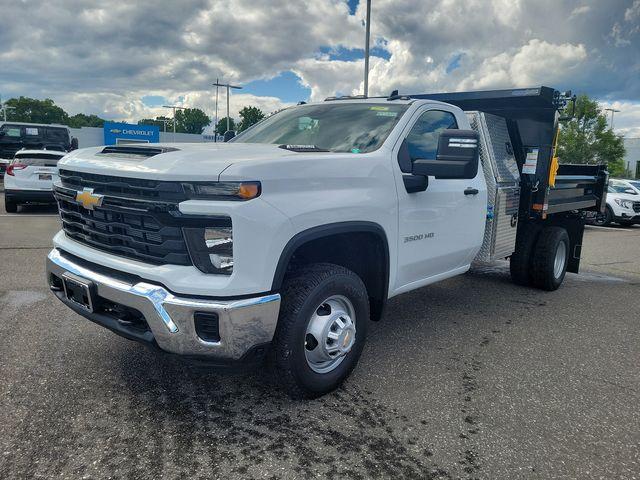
531	162
386	114
379	108
31	131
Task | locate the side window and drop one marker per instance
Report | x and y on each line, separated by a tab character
423	137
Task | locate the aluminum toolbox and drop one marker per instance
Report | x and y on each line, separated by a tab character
503	186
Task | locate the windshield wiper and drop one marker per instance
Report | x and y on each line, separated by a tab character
303	148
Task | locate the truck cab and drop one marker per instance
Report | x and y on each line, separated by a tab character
286	241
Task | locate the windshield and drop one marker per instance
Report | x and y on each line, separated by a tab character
635	184
352	127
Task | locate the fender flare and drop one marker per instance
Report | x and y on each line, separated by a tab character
327	230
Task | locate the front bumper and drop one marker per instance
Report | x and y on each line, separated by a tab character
245	326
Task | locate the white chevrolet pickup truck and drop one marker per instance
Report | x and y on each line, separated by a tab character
285	242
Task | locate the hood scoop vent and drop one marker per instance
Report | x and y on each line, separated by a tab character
135	151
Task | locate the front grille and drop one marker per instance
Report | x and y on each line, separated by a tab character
636	207
137	222
131	188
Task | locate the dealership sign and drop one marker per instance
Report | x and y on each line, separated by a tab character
115	133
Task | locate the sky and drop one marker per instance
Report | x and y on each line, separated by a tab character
124	60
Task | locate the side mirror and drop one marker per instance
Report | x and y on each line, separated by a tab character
228	135
456	158
630	191
74	143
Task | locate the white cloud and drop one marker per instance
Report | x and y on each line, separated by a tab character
580	10
627	121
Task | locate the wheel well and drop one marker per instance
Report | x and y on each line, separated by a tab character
364	251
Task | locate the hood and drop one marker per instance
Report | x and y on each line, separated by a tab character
170	161
623	196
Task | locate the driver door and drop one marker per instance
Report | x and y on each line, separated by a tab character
440	228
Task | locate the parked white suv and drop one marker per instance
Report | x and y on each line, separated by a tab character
286	241
623	204
29	178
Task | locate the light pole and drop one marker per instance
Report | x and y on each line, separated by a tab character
174	107
366	49
612	110
228	86
215	124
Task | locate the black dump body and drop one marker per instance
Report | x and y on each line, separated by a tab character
532	118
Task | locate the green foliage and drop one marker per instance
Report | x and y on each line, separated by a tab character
191	120
81	120
31	110
250	116
221	127
588	139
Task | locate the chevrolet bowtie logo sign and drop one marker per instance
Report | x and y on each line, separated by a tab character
88	199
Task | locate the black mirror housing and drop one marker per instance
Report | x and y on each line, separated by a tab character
228	135
457	156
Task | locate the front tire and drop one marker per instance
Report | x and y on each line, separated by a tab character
550	258
604	219
10	206
321	330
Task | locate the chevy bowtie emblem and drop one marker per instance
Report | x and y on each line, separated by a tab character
88	199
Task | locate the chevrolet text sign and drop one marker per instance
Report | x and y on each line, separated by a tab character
115	133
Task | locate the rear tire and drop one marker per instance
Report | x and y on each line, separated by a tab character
294	359
10	206
550	258
520	261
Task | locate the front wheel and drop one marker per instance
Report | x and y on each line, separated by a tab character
321	330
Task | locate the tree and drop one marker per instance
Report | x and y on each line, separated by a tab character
250	116
81	120
36	111
221	127
191	120
588	139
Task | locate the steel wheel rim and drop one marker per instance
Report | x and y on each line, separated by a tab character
561	258
330	335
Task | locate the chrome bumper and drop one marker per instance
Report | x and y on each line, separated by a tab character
243	324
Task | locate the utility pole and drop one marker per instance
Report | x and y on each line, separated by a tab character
228	86
174	107
612	110
215	124
366	49
4	107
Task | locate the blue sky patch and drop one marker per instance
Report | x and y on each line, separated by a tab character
285	86
455	62
154	100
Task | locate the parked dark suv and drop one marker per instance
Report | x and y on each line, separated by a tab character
16	136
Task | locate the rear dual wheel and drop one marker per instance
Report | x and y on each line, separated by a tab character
541	258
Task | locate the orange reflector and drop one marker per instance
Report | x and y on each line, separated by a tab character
537	206
249	190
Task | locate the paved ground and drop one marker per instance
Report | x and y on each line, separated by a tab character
470	378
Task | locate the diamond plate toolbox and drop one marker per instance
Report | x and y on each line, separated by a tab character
503	186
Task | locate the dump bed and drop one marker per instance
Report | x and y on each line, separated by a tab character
532	116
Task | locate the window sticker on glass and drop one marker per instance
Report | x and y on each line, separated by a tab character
386	114
31	131
379	108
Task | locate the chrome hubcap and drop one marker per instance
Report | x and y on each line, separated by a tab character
331	334
561	257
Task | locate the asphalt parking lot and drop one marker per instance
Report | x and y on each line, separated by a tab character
473	377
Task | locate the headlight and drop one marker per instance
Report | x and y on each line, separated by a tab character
211	248
222	190
623	203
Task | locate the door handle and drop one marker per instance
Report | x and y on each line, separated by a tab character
471	191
